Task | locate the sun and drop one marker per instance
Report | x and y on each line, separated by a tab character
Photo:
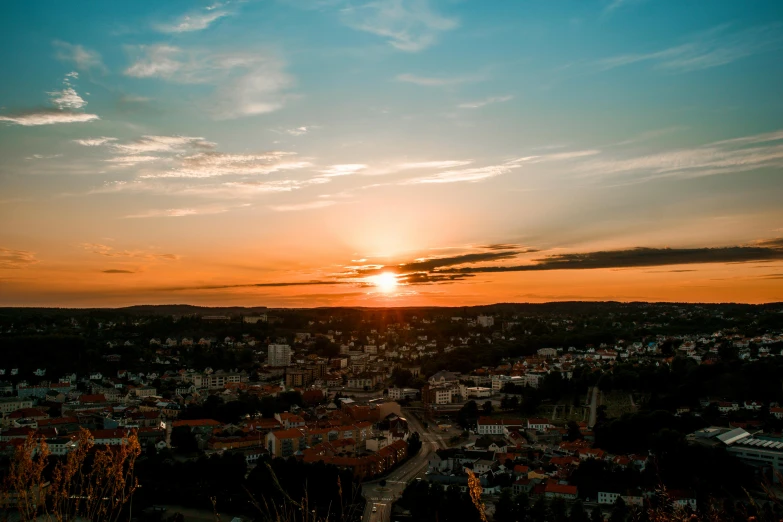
386	282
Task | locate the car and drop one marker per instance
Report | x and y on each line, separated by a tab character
375	509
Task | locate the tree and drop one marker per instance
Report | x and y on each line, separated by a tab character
107	470
504	508
468	415
574	433
596	515
522	507
578	513
619	512
183	440
487	408
540	510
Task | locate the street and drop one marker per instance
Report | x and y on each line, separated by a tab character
382	498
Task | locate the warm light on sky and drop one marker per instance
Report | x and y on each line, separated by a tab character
396	152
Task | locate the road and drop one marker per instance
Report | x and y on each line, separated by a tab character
382	498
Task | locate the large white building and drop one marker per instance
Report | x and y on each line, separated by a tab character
485	321
279	355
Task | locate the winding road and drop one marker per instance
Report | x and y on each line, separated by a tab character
382	498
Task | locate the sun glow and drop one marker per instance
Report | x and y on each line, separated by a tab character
385	282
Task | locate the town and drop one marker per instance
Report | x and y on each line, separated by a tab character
571	411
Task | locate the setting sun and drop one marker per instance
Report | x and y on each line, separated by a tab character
386	282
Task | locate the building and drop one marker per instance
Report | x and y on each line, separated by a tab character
478	392
485	321
279	355
759	451
397	394
253	319
285	443
11	404
490	426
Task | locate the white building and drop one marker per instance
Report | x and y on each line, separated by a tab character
485	321
279	355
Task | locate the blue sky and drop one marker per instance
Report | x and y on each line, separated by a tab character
331	130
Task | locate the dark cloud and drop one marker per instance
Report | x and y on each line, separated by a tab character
254	285
423	278
117	271
639	257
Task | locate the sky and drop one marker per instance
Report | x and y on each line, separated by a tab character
301	153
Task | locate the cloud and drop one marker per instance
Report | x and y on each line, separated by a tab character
48	117
147	144
94	142
298	131
183	212
67	98
557	156
638	257
195	21
486	101
617	4
109	251
715	47
254	285
129	161
431	81
82	58
724	157
446	164
343	170
303	206
67	101
407	25
16	259
251	83
212	164
43	156
469	175
117	271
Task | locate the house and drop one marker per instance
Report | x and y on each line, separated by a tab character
539	424
557	490
491	426
285	443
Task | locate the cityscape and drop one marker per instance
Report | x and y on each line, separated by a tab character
391	261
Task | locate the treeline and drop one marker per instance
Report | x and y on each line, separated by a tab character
247	404
274	487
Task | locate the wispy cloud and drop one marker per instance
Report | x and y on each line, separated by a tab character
43	156
94	142
128	161
196	20
617	4
436	81
408	25
183	212
109	251
343	170
303	206
47	117
212	164
250	83
715	47
146	144
724	157
117	271
486	101
82	58
463	175
16	259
